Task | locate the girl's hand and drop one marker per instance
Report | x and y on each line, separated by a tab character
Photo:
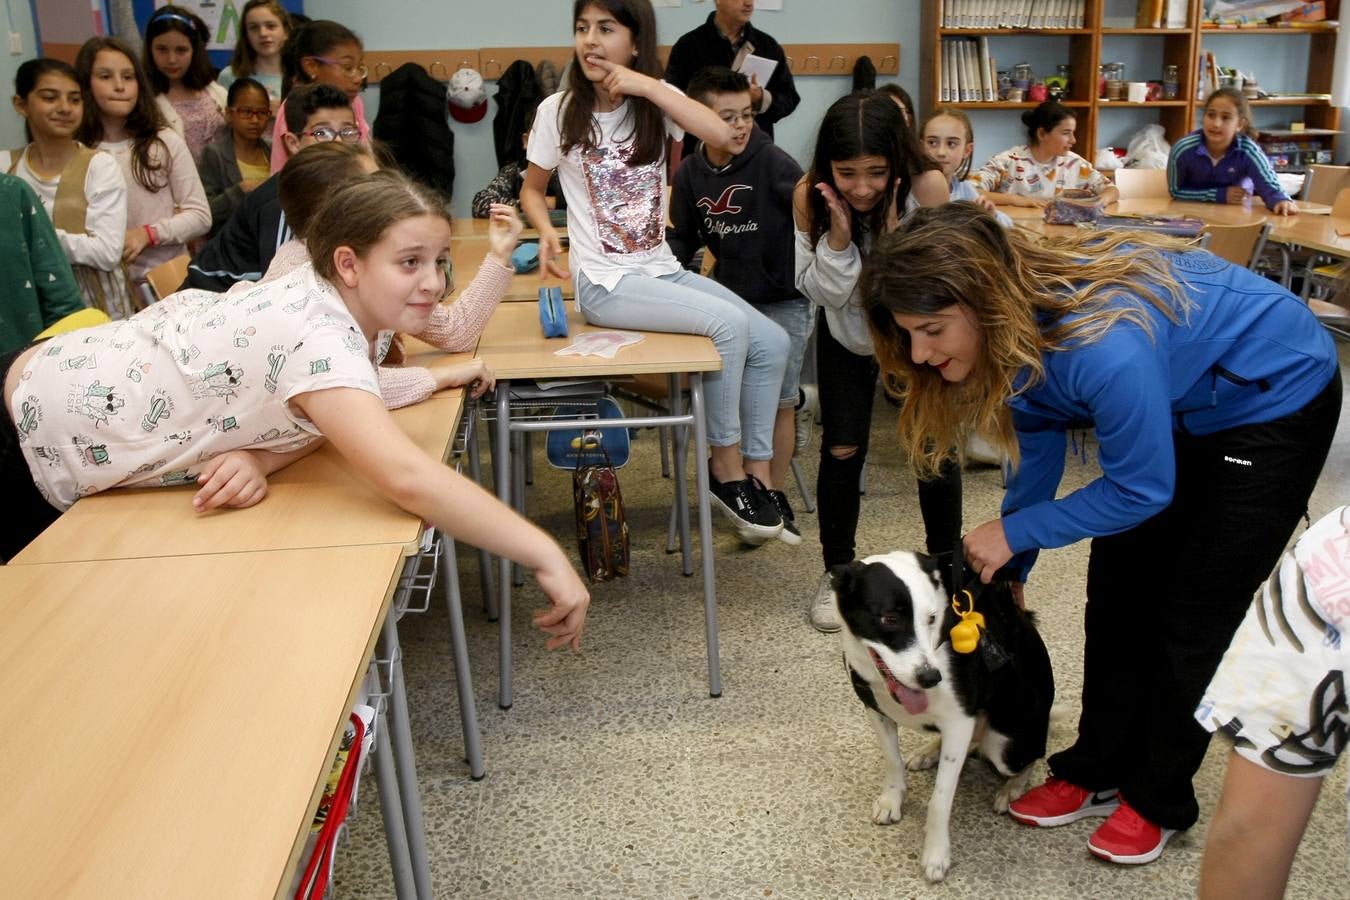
550	257
986	204
1024	200
1235	195
234	479
623	81
136	241
1286	208
474	374
504	227
841	219
893	214
987	549
570	600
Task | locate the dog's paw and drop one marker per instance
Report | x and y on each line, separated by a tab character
927	756
937	862
889	805
1011	789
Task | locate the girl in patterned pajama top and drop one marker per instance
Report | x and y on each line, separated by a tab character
221	390
1045	166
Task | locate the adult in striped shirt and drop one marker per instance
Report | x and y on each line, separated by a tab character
1220	162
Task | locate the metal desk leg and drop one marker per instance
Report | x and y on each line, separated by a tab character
705	532
520	450
401	738
468	710
484	558
502	461
391	810
676	405
808	501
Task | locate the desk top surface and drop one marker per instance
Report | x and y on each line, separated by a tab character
173	740
513	345
314	502
466	255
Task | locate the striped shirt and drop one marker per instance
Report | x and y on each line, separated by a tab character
1193	175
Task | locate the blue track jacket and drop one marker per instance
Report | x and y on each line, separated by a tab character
1249	352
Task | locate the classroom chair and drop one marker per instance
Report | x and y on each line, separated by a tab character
1242	245
1322	272
166	278
1322	183
82	318
1142	184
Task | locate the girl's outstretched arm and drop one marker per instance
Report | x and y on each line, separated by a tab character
534	206
357	423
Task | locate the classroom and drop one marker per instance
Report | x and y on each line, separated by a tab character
324	573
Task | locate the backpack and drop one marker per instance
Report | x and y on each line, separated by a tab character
602	528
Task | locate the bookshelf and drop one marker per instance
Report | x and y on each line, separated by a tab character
1110	33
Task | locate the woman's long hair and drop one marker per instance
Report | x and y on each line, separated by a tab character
149	155
1027	297
649	122
864	123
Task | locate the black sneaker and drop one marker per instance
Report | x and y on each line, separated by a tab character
790	534
755	520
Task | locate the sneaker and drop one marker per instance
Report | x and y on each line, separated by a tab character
1057	802
790	534
806	414
1128	838
755	518
824	611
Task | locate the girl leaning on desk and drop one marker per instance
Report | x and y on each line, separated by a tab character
221	390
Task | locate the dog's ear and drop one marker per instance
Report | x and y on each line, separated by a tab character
843	577
938	567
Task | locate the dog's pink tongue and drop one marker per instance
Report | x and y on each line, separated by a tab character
913	701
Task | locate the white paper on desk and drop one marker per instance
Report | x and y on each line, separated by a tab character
604	344
759	67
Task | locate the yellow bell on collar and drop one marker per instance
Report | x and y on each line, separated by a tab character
966	633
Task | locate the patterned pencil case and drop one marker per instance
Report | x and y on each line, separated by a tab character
552	313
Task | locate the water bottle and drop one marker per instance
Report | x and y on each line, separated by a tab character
1247	186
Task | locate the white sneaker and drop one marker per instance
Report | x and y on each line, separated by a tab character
824	610
806	415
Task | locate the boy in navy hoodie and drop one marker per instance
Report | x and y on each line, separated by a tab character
737	201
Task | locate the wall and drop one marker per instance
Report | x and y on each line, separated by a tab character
480	23
15	16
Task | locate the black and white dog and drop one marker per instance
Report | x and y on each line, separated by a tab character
898	650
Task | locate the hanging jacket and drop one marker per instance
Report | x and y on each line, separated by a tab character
412	124
518	93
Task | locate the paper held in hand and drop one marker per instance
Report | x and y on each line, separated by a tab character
759	67
599	343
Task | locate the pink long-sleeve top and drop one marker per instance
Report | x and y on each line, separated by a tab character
453	327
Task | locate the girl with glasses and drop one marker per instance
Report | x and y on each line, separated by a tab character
240	159
166	206
174	56
322	52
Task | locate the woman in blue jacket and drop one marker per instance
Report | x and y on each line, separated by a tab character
1214	395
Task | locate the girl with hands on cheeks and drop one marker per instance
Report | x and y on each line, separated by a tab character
1214	395
866	176
607	135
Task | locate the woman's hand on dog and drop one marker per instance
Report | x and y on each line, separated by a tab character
987	549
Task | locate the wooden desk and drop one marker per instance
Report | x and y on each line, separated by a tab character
179	716
466	255
515	348
315	502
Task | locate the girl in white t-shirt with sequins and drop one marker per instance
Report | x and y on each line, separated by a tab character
606	135
218	391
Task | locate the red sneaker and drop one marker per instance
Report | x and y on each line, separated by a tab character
1128	838
1057	802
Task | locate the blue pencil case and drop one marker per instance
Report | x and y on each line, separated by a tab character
552	312
525	258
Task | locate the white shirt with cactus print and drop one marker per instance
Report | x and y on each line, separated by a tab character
149	400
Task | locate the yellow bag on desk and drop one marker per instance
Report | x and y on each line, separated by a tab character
84	318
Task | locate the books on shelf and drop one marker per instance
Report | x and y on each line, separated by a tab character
967	73
1031	14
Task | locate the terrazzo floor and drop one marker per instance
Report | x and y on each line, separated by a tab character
615	775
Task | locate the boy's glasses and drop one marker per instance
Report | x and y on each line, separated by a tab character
349	134
353	72
733	118
244	112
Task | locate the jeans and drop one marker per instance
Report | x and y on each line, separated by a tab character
796	316
742	399
847	384
1165	597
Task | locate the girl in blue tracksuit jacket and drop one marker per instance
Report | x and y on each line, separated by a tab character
1214	394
